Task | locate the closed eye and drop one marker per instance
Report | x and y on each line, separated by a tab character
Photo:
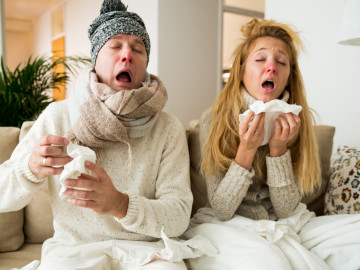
114	44
138	50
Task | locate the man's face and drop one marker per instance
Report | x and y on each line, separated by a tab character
121	62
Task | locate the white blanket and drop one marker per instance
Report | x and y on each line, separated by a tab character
121	254
301	241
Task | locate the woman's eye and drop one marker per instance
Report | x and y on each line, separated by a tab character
259	60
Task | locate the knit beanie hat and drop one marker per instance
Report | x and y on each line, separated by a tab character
115	19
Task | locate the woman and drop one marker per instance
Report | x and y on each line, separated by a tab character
254	191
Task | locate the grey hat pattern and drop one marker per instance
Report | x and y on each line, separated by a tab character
115	19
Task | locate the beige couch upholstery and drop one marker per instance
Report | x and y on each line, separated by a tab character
23	232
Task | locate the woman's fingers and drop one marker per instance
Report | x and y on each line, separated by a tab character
251	123
244	125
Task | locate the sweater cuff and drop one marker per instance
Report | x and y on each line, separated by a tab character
132	211
279	170
23	168
236	171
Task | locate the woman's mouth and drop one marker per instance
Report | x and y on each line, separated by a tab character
268	85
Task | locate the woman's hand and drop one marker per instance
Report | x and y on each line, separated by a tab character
286	128
47	153
101	195
251	137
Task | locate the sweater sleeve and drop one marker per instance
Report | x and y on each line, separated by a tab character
225	192
284	194
17	182
171	207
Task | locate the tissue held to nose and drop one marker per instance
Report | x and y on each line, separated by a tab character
272	109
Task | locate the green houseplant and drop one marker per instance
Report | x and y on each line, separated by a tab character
24	91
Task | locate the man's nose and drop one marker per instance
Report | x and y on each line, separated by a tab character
126	56
270	68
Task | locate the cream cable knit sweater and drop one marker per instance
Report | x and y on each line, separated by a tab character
238	191
158	183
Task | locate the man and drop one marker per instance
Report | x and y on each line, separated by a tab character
139	187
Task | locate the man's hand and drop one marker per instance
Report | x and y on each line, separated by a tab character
101	195
46	153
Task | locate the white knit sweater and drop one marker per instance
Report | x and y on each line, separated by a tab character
157	182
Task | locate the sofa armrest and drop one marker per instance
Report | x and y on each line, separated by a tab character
11	223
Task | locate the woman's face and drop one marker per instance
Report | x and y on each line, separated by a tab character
267	69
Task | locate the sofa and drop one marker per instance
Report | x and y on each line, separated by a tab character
23	232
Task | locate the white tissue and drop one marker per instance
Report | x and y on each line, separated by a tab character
272	109
74	168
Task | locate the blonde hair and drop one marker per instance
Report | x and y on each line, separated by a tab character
223	139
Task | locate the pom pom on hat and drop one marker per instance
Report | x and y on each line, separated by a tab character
115	19
111	5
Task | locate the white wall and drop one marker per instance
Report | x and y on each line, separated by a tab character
330	71
189	62
42	35
18	33
77	19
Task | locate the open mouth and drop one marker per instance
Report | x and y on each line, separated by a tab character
124	77
268	84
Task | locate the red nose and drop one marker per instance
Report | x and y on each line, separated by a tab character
270	68
127	57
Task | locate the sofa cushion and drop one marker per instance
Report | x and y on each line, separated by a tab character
314	201
324	136
25	127
11	223
26	254
343	192
198	185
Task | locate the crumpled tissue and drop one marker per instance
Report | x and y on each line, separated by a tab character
74	168
272	109
174	250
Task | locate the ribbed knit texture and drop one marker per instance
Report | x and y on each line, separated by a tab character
157	182
238	191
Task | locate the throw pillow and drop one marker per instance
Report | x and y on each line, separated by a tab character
343	192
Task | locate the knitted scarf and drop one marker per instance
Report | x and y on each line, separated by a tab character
101	116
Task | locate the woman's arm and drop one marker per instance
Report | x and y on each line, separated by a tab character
284	194
226	194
